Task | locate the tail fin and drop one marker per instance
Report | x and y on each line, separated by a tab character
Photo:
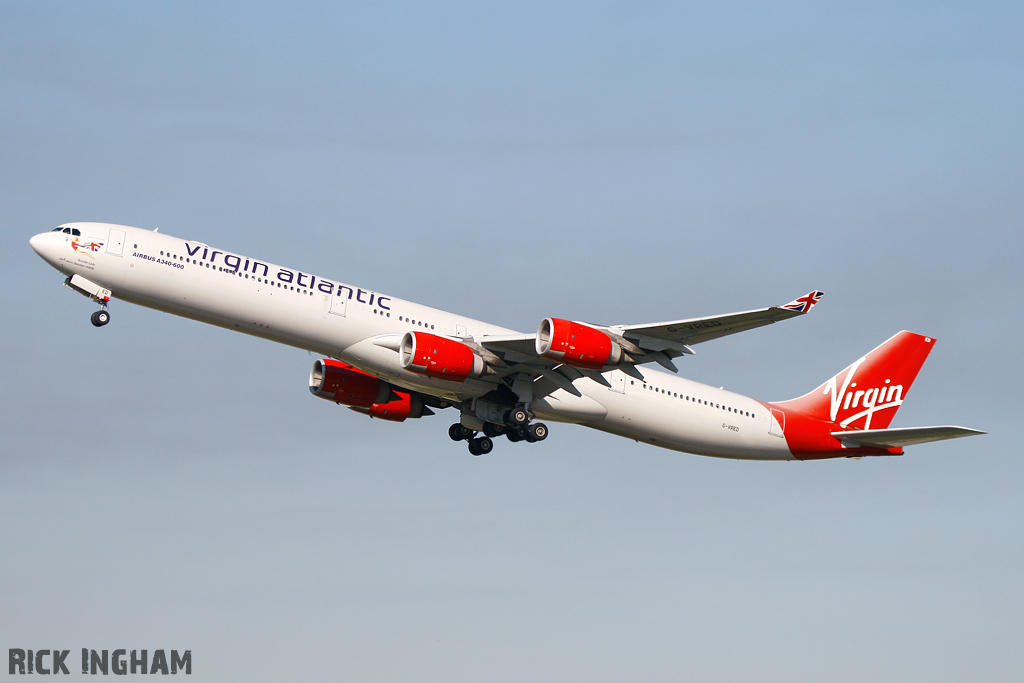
867	394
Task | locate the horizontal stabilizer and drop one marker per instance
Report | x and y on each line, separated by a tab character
896	438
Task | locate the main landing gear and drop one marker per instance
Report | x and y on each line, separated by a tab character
477	445
517	428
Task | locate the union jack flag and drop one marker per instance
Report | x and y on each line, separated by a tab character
82	246
804	303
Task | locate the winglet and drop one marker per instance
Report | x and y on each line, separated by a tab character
805	303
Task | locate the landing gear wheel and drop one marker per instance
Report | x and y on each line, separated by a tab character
481	446
517	417
538	431
492	430
515	434
459	432
100	318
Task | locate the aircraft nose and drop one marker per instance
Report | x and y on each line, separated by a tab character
47	245
37	243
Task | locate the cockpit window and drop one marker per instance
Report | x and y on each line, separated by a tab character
57	229
76	231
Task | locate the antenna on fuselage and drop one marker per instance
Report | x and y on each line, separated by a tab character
156	229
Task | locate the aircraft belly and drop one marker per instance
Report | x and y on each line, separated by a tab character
683	426
561	406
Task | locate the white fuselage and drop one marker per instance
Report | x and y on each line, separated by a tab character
332	318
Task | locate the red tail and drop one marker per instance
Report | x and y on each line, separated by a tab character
867	394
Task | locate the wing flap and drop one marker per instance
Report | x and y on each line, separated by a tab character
514	348
905	436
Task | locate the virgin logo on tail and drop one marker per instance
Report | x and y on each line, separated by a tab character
872	388
850	397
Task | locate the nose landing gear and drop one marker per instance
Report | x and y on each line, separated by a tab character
97	293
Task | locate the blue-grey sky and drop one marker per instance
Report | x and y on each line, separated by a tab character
165	484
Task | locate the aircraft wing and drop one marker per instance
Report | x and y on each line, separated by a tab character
696	330
906	436
658	342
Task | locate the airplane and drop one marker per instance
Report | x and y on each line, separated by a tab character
395	360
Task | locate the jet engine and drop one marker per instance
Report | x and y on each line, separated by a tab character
576	344
439	357
340	382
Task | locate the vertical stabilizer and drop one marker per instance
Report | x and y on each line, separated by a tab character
867	394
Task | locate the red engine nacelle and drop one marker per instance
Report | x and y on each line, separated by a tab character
339	382
576	344
439	357
397	410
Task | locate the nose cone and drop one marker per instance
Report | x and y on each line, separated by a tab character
47	245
